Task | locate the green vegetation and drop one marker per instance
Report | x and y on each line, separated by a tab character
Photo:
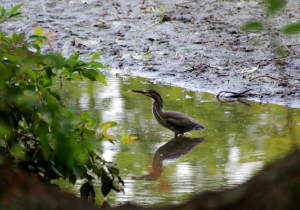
272	7
37	132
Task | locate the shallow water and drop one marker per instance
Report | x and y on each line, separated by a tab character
238	139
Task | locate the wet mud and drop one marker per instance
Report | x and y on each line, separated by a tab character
198	45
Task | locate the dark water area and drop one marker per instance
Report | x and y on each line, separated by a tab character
238	139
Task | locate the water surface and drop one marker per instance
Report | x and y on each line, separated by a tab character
238	139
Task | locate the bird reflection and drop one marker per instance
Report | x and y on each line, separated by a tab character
175	148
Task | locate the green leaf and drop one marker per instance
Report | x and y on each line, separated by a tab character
292	28
35	46
93	122
96	55
16	38
15	15
2	12
101	78
33	37
75	56
15	9
72	179
274	6
87	192
3	48
9	57
84	116
94	64
253	26
113	167
32	74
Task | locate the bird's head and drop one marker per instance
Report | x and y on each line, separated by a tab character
150	93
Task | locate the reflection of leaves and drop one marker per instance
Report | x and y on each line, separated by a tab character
274	6
144	57
253	26
282	51
292	28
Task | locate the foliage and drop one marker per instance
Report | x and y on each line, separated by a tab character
126	138
9	13
36	130
163	12
273	7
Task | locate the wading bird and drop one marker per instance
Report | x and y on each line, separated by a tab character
177	122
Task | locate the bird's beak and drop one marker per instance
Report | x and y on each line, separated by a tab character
139	91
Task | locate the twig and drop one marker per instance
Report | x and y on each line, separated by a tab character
34	139
235	95
265	75
154	24
185	2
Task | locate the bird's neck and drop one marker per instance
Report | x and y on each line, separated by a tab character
157	106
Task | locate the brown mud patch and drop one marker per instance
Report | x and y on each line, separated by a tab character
198	45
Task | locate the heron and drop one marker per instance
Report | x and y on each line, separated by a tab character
177	122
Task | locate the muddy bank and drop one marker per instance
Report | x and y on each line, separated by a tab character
198	44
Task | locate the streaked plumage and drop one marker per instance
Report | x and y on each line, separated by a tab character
177	122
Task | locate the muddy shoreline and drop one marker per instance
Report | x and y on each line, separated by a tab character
198	45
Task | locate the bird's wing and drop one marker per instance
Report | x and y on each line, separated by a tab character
177	119
182	121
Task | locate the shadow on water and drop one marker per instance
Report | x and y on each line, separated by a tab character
175	148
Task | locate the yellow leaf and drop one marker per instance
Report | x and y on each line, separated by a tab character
38	31
124	140
108	136
48	34
133	137
105	126
39	42
129	142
